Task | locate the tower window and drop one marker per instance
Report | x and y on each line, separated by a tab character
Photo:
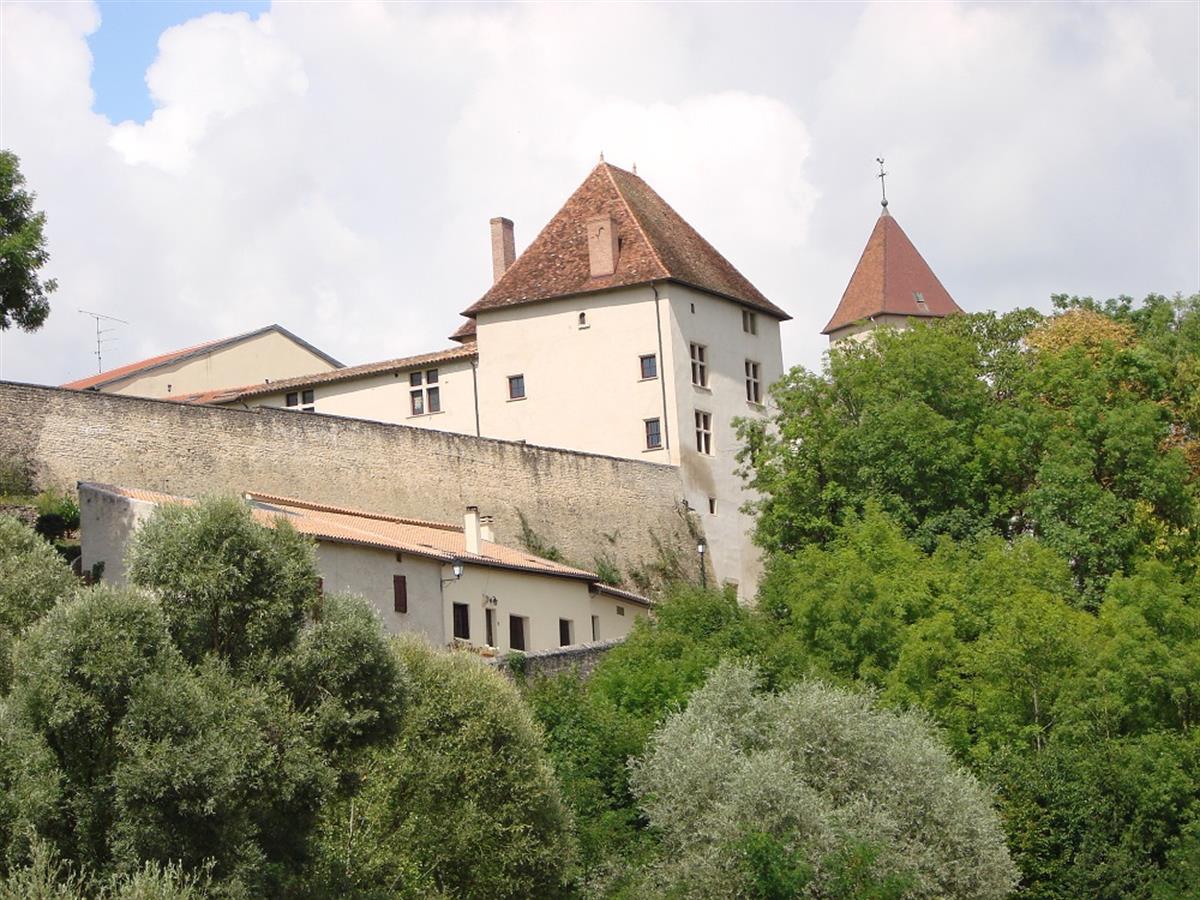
699	365
749	322
753	381
653	434
583	320
516	387
704	432
649	364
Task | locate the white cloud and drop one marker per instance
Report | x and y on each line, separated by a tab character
332	166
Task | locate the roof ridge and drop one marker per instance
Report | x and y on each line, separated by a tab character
633	215
347	511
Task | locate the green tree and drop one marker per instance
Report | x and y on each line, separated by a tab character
463	803
33	577
23	296
229	586
826	774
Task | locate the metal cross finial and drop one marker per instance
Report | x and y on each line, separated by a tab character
882	183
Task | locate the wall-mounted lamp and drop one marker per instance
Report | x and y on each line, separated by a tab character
456	567
702	548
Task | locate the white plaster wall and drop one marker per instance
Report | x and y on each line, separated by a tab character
861	331
106	525
583	385
542	599
717	324
386	398
612	624
267	356
367	572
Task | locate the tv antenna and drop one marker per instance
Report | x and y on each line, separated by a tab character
100	332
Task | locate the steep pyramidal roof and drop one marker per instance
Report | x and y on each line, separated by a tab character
891	278
656	244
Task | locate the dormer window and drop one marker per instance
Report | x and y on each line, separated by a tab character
919	297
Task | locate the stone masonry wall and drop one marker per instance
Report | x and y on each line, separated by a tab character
584	504
581	659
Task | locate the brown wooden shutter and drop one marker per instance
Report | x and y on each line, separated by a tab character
400	592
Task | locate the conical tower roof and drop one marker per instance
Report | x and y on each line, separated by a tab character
655	243
891	278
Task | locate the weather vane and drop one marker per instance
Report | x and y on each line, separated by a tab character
882	183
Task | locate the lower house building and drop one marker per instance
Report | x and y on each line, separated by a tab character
451	584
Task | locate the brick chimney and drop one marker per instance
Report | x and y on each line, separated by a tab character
471	530
602	246
504	250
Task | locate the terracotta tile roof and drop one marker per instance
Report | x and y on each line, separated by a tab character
465	333
656	244
420	537
145	365
229	395
888	279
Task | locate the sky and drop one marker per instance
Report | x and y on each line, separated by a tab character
210	168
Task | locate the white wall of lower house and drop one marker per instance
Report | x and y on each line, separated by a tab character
541	600
270	355
583	383
106	525
716	323
387	397
368	573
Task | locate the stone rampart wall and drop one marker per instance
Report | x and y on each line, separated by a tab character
586	505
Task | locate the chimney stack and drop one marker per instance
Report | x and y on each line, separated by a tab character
485	529
471	530
504	250
602	246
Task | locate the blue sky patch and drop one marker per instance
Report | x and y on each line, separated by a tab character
126	43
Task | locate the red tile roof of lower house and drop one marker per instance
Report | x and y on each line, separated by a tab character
420	537
145	365
891	278
230	395
656	244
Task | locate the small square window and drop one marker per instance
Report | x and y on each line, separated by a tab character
414	378
292	400
620	610
649	364
434	397
307	397
653	434
431	376
418	403
749	322
516	387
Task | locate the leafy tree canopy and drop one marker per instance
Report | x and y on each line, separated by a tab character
23	296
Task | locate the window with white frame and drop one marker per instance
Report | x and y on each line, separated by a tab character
704	432
649	366
653	434
699	365
425	395
749	322
302	400
753	381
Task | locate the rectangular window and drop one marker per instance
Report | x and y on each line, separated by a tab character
712	506
566	632
653	434
516	387
434	397
704	432
307	397
462	621
620	610
699	365
418	403
400	593
516	632
489	626
431	376
292	400
649	366
749	322
595	628
753	382
414	379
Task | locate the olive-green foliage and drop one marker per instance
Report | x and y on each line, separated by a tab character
960	428
345	678
33	577
229	586
820	770
462	803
